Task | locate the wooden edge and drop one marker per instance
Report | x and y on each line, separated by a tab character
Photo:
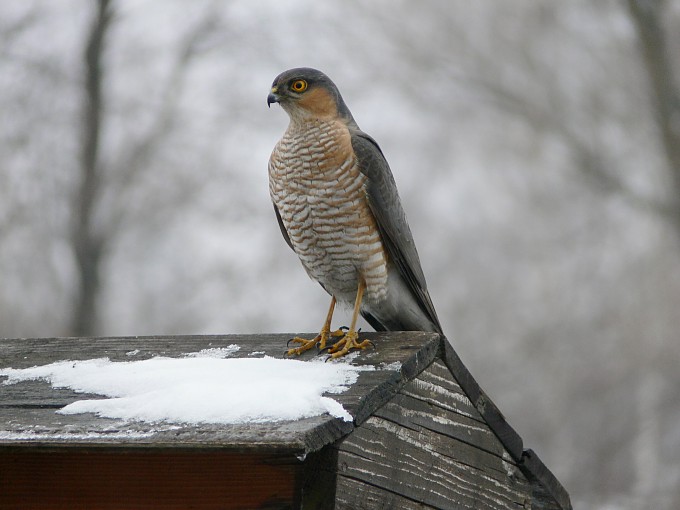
537	472
546	487
422	356
325	434
313	439
492	415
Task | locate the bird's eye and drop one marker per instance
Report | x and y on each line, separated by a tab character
299	86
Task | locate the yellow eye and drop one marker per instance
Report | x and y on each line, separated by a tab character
299	86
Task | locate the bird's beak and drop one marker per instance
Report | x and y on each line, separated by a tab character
273	97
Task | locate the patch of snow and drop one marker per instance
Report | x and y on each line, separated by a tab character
202	387
215	352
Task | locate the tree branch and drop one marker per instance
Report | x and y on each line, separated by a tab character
137	160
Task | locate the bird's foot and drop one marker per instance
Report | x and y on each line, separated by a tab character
347	343
319	340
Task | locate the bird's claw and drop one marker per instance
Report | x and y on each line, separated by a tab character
349	342
305	344
319	340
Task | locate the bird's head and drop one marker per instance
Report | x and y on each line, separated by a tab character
304	92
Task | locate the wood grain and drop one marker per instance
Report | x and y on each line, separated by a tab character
429	445
359	495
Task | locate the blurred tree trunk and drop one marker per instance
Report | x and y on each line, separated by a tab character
96	227
648	16
88	243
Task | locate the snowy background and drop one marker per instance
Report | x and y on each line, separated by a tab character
531	142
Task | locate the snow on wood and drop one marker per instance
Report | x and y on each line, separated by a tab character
201	387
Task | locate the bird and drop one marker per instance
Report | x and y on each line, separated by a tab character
338	208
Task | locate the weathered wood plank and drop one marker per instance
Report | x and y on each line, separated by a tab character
435	401
438	374
437	387
424	466
355	494
437	444
26	352
417	415
34	394
34	427
429	444
27	409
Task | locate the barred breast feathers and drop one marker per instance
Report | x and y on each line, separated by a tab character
316	184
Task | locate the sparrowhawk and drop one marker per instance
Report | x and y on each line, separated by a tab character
338	208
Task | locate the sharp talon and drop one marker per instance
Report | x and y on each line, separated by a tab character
319	341
293	352
338	333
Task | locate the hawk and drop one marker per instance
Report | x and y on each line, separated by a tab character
338	208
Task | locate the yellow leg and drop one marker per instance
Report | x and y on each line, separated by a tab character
319	339
350	340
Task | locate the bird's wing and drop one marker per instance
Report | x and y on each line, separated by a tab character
385	205
284	232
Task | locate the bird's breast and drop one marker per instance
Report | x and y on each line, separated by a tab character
316	184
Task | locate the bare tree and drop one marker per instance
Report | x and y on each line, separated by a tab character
88	242
102	204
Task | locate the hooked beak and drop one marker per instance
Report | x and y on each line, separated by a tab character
273	97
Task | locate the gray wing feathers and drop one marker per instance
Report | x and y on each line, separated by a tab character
385	205
284	232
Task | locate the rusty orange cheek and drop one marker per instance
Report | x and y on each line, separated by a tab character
320	102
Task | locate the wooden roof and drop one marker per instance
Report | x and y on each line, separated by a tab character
28	418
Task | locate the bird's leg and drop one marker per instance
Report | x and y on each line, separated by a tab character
319	339
350	340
